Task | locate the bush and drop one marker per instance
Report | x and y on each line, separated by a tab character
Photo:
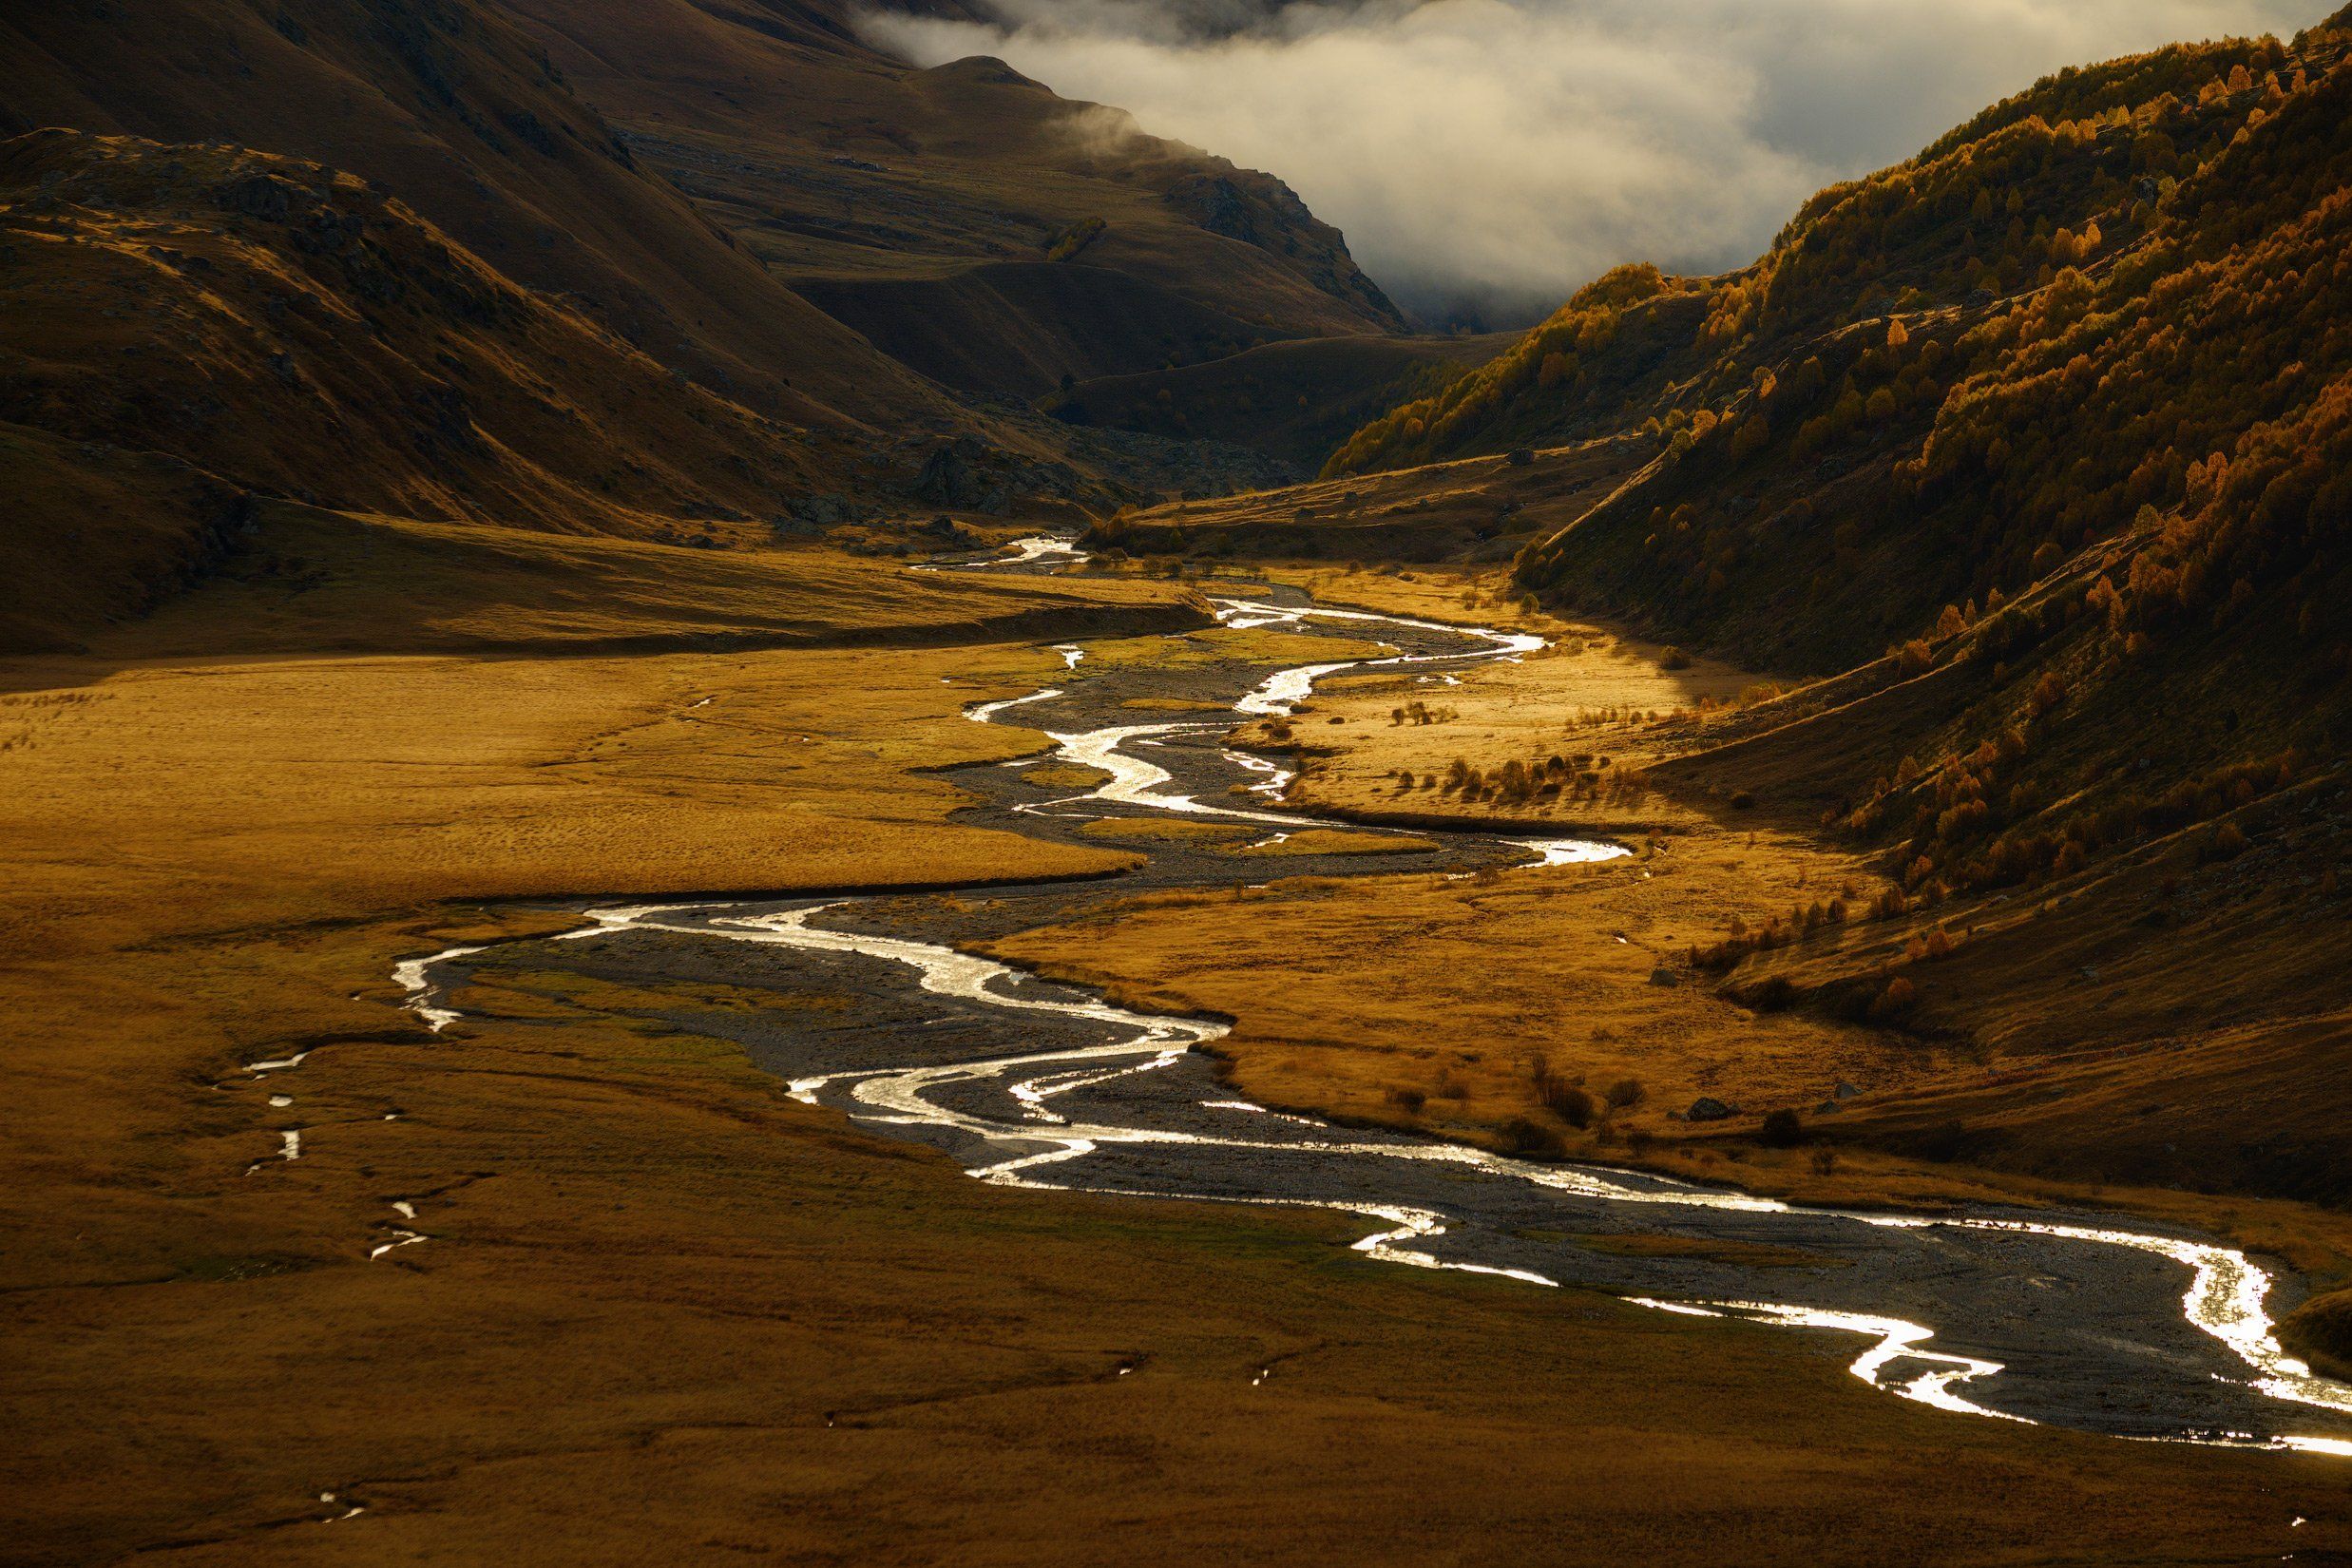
1783	1129
2321	1332
1567	1102
1895	1001
1529	1140
1673	658
1408	1099
1626	1093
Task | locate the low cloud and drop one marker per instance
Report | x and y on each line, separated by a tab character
1498	153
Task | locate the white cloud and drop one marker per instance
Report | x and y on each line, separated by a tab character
1508	150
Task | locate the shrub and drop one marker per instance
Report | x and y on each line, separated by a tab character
1566	1100
1407	1098
1895	1001
1531	1140
1074	238
1783	1129
1673	658
1626	1093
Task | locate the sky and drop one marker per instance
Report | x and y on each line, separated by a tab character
1496	154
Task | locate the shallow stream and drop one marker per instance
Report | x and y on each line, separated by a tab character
2073	1319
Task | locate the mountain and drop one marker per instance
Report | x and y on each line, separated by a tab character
450	107
2027	464
1297	398
1947	378
977	226
661	270
290	327
392	257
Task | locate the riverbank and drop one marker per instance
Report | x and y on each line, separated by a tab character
1452	994
865	1355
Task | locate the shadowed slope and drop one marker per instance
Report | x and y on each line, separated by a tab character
454	112
980	228
295	331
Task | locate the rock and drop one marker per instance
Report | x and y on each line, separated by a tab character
1519	457
1844	1091
263	196
1664	976
951	475
825	510
1707	1108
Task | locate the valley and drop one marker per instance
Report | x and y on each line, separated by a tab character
757	802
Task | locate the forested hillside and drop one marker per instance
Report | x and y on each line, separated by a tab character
1826	505
2031	460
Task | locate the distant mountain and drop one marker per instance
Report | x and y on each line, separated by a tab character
395	256
965	218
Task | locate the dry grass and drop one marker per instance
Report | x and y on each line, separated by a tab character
1156	829
1429	997
318	580
1338	841
185	796
860	1353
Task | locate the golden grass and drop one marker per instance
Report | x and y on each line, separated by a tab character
322	581
1416	976
1220	645
2321	1332
297	788
1155	829
1065	775
662	1303
1419	981
1339	841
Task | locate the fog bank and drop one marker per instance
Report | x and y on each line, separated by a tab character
1500	152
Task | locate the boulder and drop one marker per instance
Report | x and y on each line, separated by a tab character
1707	1108
1664	976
